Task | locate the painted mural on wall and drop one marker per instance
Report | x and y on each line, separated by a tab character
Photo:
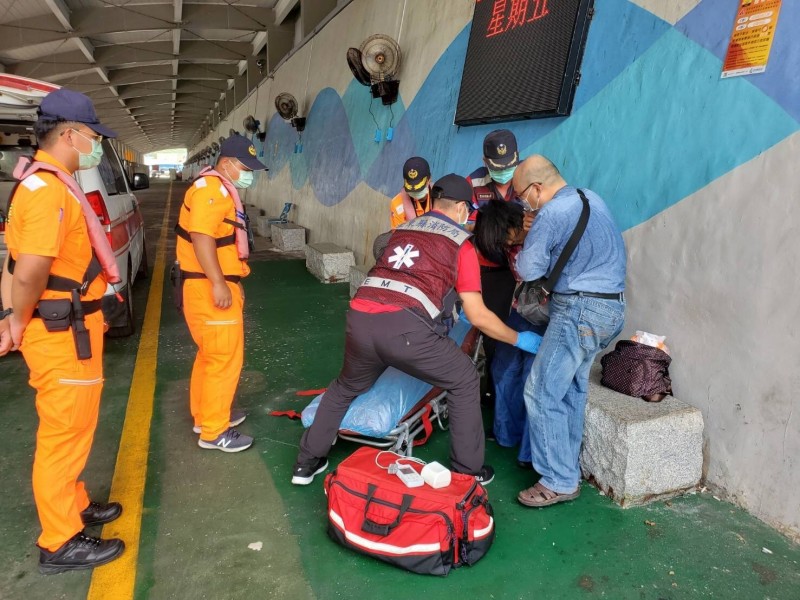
641	133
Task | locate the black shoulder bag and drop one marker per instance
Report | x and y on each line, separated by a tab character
532	296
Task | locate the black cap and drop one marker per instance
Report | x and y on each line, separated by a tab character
239	147
452	187
416	174
69	105
500	149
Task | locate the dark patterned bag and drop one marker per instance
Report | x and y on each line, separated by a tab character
637	370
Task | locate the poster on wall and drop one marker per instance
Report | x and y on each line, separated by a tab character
523	59
751	40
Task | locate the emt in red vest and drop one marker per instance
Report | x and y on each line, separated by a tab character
59	264
212	251
396	320
415	198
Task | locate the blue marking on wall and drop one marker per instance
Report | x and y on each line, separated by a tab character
656	134
710	24
330	149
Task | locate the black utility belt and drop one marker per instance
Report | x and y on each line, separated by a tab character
192	275
55	310
618	296
65	314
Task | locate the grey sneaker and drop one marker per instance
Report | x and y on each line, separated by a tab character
303	475
237	418
228	441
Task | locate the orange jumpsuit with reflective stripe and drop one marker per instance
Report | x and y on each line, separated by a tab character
46	220
218	333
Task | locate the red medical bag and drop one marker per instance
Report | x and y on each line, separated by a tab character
422	529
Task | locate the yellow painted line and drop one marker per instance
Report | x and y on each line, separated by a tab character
116	580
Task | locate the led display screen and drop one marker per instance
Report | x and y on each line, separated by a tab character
522	60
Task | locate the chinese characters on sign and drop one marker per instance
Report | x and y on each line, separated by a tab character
521	12
751	40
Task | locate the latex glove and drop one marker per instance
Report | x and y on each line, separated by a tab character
527	341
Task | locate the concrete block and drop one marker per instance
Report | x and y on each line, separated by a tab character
636	451
263	227
288	236
328	262
358	273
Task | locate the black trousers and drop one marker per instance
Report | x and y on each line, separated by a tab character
497	285
401	340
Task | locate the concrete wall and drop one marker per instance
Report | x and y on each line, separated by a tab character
700	173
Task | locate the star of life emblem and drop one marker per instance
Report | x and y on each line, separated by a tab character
404	257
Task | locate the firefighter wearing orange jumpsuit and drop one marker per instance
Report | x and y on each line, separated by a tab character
50	252
212	259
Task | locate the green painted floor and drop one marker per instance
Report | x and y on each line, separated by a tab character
203	509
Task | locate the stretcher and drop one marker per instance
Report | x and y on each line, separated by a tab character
399	411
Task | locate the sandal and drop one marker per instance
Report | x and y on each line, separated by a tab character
539	496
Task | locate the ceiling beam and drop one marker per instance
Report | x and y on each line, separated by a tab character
177	6
61	12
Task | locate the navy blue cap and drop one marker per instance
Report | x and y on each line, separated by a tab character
452	187
239	147
416	173
69	105
500	149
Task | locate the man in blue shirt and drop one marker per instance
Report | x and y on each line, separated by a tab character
587	309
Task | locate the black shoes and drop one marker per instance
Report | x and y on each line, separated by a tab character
485	475
304	474
98	514
80	552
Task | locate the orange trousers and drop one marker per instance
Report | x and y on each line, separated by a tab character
219	335
68	402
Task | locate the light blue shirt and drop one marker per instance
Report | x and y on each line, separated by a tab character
598	263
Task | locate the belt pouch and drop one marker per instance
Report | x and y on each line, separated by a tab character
83	342
177	285
55	314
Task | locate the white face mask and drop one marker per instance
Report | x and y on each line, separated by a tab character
464	221
419	195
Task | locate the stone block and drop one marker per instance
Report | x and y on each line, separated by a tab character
358	273
263	226
288	236
636	451
328	262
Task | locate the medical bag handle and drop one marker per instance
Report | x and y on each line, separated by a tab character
383	529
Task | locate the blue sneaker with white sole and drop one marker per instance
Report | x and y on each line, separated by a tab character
229	440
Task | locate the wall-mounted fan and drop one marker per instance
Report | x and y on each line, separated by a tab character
253	126
380	57
286	105
354	61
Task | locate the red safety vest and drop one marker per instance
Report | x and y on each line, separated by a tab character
419	267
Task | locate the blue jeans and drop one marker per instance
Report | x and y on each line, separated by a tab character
555	392
510	369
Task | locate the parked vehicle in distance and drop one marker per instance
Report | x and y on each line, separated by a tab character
106	187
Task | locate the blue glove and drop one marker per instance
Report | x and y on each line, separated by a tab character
527	341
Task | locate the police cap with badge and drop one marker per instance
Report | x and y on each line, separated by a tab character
500	149
416	174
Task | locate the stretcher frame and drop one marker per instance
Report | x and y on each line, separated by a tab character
418	421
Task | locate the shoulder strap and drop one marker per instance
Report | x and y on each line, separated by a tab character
569	248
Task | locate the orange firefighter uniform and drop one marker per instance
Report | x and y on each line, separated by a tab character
46	220
218	333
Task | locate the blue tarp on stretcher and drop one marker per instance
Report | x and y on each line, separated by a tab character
381	409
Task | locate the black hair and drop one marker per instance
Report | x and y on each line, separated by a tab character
492	223
44	129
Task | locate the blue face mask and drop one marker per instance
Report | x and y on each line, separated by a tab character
420	194
93	158
245	180
503	176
